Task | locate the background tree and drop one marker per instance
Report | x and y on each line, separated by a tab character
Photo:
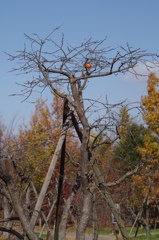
150	150
150	103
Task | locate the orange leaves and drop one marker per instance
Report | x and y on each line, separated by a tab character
38	140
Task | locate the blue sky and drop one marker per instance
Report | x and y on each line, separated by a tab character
135	22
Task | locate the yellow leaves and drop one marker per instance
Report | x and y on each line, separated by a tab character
38	140
150	150
150	103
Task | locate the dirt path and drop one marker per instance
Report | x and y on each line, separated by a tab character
71	236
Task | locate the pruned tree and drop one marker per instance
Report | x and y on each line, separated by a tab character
64	69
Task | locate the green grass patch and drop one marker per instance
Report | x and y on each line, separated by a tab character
105	231
151	237
71	229
143	230
141	233
43	236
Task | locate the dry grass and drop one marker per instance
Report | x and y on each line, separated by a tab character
3	237
70	238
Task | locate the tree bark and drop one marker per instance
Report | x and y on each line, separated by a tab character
87	195
27	202
147	220
64	219
6	212
16	204
95	221
86	209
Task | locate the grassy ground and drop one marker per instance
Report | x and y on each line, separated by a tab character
107	232
141	233
156	236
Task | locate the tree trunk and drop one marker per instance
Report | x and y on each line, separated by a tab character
6	208
16	204
85	180
95	221
27	202
6	212
64	219
27	208
86	209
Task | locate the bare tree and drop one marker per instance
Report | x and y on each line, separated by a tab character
54	64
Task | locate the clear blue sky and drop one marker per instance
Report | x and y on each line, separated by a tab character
122	21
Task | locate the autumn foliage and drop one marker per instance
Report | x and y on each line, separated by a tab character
33	148
150	103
